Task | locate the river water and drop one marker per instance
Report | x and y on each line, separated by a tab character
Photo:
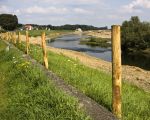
71	42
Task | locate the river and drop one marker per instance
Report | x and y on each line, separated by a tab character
71	42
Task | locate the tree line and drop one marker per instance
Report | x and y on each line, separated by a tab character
135	34
67	27
8	21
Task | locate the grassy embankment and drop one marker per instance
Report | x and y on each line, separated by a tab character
27	93
92	41
96	84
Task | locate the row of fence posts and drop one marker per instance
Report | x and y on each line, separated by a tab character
116	63
12	37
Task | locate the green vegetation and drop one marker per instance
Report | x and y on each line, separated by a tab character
8	21
66	27
74	27
92	41
27	94
96	84
135	34
51	33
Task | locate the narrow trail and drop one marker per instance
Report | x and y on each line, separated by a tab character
92	108
131	74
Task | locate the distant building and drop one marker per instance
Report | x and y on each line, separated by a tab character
28	27
79	30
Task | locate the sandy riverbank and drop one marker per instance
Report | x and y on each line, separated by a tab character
99	33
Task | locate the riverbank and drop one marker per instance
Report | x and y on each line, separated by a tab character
131	74
98	33
94	83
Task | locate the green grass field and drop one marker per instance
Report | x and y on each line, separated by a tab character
35	33
27	94
96	84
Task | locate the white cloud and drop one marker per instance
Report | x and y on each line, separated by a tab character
81	11
4	9
17	12
42	10
136	6
115	16
71	1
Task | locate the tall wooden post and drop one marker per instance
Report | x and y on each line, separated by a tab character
44	50
11	37
7	36
19	37
14	37
27	42
116	71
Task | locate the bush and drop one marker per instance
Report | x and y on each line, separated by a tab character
135	34
8	21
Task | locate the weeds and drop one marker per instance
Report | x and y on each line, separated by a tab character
29	95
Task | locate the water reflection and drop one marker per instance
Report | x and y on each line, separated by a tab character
71	42
140	60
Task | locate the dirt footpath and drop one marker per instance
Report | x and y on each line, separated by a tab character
132	74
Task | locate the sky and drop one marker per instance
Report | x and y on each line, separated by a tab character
91	12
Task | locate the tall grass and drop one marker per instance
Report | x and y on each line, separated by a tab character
96	84
27	93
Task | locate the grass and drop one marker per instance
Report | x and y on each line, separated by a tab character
27	94
51	33
96	84
92	41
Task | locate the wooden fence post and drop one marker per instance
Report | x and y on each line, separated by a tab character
11	37
44	50
14	37
19	38
7	36
116	71
27	42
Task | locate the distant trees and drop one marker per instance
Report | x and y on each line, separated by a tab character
8	21
70	27
74	27
135	34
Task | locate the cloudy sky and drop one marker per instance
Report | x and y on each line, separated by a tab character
91	12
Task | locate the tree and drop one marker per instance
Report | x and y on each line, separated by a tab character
8	21
135	34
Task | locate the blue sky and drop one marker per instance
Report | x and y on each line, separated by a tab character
91	12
